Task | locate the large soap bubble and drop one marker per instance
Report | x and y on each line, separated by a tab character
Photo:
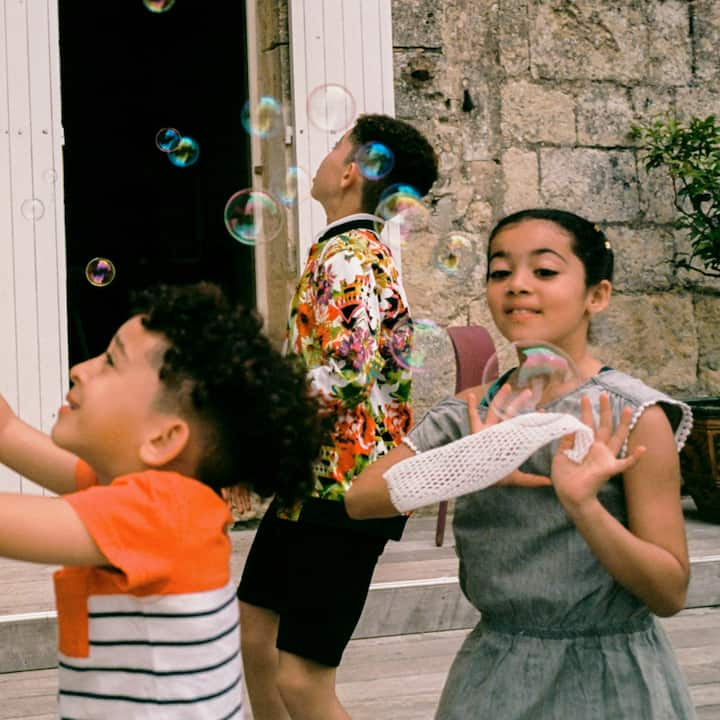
543	374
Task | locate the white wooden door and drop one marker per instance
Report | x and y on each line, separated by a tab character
345	43
33	325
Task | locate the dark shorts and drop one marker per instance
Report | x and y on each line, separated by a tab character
316	578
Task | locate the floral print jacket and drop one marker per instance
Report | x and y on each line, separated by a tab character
349	322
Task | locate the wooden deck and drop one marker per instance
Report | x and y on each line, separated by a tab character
413	624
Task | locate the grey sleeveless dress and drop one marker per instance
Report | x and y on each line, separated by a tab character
559	638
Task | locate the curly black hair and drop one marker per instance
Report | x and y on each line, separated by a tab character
415	161
262	423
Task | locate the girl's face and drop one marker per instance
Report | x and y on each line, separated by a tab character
536	286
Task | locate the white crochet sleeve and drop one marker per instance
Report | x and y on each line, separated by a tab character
479	460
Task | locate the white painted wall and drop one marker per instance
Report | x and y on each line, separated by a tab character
33	323
344	42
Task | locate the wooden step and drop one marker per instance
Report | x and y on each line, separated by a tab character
415	590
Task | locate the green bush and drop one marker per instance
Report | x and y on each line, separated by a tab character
690	153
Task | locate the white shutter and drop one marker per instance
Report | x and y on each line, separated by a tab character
343	42
33	325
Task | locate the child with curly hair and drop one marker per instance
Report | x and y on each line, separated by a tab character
153	430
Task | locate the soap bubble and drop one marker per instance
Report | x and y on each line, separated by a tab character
186	152
454	254
158	6
402	207
265	119
415	342
253	216
544	373
292	187
32	209
331	108
374	160
100	272
167	139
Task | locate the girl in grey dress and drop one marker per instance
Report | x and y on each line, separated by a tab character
570	573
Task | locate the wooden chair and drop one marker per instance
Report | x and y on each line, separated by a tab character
473	347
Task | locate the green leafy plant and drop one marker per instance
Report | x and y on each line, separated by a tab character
690	154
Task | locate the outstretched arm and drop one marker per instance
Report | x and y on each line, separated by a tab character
370	494
45	530
649	558
33	454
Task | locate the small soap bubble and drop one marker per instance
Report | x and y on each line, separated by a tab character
253	216
415	342
454	254
402	207
265	119
331	108
375	160
50	176
543	374
167	139
100	272
186	153
158	6
292	187
32	209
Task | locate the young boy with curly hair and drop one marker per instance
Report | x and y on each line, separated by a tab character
153	430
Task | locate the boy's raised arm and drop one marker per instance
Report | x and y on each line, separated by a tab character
33	454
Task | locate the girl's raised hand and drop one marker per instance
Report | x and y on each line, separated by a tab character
516	477
579	483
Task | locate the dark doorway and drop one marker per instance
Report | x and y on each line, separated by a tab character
126	73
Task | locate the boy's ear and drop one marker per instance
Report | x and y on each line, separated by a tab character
165	442
351	175
599	296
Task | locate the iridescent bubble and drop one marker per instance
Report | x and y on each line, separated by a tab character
543	374
32	209
158	6
167	139
293	187
331	108
186	153
403	209
374	160
414	342
100	272
265	119
253	216
455	255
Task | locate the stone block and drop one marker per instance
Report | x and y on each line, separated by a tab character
604	116
669	58
597	184
537	113
707	312
520	171
417	23
706	35
587	40
513	38
651	336
642	258
649	101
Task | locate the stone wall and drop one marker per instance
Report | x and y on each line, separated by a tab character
530	103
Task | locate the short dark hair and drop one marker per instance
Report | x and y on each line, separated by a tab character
261	423
415	161
589	242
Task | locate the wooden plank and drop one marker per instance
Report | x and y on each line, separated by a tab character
390	677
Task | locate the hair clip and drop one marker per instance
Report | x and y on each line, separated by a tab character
608	246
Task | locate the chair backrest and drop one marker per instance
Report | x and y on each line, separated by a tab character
473	347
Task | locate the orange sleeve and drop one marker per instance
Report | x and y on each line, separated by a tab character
84	475
150	524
